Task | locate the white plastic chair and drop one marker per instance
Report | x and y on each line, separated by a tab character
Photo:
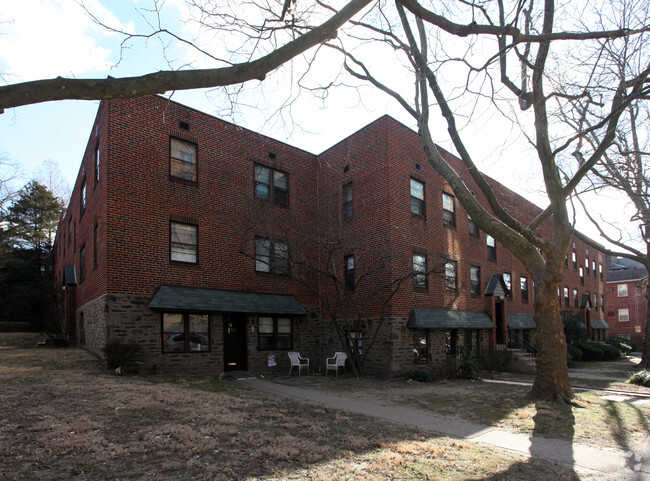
298	361
333	363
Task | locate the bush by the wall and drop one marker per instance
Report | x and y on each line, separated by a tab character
610	353
591	351
419	375
574	354
466	368
641	378
121	354
625	345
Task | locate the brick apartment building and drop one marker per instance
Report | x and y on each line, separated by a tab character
191	236
625	295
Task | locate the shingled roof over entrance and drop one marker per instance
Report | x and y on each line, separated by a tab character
178	298
444	319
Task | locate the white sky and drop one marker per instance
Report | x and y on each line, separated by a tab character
47	38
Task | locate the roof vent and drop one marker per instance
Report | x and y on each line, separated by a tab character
183	125
272	155
418	166
346	168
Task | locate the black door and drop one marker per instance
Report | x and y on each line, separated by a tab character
234	342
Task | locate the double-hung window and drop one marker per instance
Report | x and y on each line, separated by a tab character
507	278
448	210
491	247
348	206
271	256
419	271
475	279
523	284
576	299
271	184
451	276
567	301
621	290
185	332
623	315
348	277
473	228
274	333
417	197
184	242
182	159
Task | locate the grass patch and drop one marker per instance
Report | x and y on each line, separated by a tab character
65	416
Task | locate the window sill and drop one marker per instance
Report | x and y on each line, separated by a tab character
180	180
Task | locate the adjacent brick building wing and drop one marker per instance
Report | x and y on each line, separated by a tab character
187	234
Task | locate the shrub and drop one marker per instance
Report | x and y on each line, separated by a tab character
466	369
641	378
591	351
574	353
419	375
624	345
121	354
610	353
574	326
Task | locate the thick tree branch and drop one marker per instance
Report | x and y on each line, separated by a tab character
60	88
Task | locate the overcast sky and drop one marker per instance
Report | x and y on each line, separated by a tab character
48	38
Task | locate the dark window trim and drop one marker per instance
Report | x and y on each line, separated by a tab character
348	205
274	265
176	178
491	250
416	276
273	197
448	216
523	281
185	316
420	203
196	246
473	291
275	336
348	274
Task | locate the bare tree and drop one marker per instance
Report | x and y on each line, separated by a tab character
271	50
624	166
523	34
353	285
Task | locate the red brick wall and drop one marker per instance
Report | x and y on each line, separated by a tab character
636	305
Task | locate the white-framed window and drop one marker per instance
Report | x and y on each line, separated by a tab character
623	315
274	333
621	290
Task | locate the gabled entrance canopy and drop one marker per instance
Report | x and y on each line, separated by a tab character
178	298
444	319
496	286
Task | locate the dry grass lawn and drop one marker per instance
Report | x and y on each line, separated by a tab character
64	416
594	420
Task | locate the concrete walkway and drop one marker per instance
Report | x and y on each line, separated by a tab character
625	465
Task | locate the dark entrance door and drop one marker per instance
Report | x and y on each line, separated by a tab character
498	319
234	343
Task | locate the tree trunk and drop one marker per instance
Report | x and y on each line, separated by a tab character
552	379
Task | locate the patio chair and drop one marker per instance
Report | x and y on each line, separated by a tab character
333	363
298	361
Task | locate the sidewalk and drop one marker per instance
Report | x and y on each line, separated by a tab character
577	456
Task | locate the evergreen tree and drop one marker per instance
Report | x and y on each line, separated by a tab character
31	220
